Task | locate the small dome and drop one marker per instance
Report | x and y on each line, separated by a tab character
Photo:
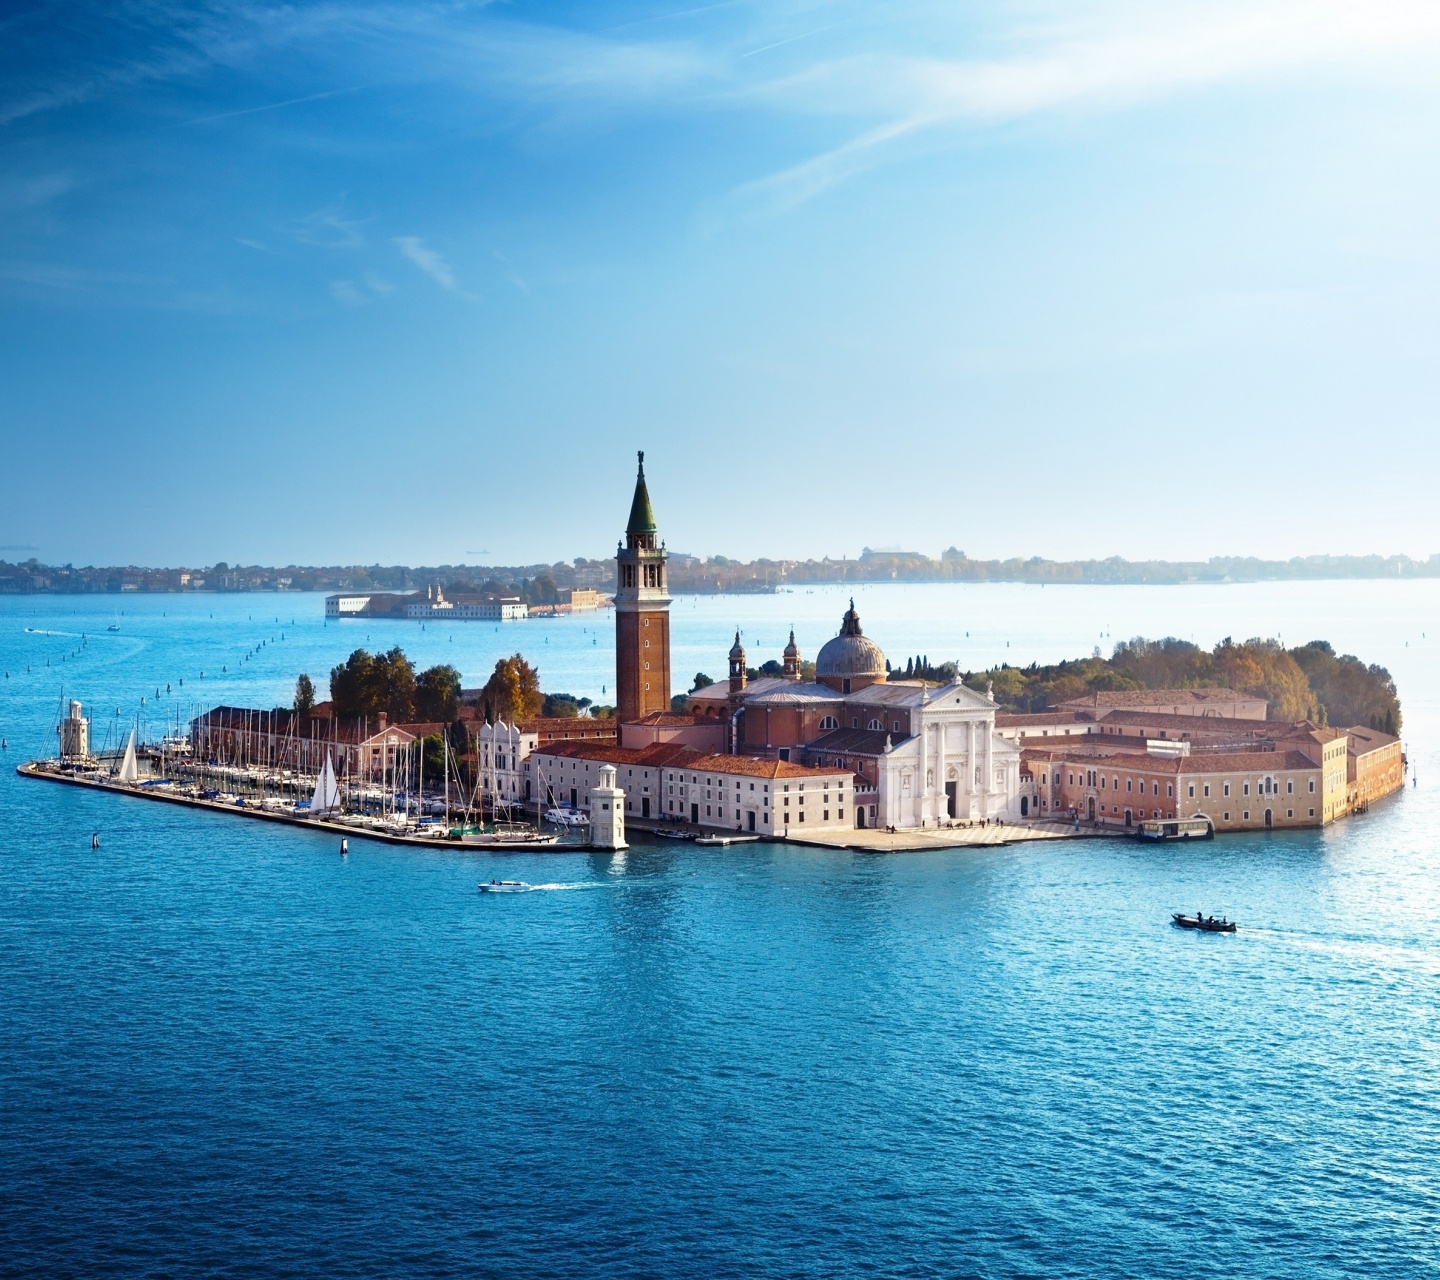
850	655
792	650
737	650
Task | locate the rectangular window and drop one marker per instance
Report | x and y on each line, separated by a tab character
1245	789
1290	786
1246	815
1170	789
1207	791
1227	817
1192	791
827	815
1227	789
1312	792
802	815
1312	813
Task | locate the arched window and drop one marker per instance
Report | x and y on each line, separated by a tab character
877	724
829	722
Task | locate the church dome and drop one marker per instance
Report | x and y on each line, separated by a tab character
850	655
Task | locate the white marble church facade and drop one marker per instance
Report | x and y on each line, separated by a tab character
954	766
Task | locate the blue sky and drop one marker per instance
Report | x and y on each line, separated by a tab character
411	283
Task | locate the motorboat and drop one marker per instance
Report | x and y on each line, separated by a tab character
673	833
1206	924
505	886
567	817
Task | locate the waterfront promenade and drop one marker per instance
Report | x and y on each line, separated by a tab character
355	827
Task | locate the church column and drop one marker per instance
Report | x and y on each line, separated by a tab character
941	808
988	777
920	787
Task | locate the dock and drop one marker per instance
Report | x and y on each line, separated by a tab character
336	827
915	839
864	839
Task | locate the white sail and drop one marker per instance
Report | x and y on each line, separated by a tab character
327	790
129	766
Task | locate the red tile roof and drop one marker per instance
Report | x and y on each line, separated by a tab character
667	755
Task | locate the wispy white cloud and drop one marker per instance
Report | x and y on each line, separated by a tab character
1122	57
329	228
273	106
430	262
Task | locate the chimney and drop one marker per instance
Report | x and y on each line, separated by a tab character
384	718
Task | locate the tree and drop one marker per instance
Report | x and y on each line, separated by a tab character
560	704
437	694
702	681
304	695
1266	668
365	686
513	691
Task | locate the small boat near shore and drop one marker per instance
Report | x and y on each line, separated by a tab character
673	833
713	841
564	816
1206	924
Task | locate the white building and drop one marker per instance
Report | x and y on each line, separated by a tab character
467	608
607	812
924	754
503	750
673	784
954	766
346	606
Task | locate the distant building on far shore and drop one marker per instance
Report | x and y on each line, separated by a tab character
433	605
1224	703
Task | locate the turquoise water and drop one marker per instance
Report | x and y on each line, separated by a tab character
224	1050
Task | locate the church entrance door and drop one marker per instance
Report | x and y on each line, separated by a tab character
950	803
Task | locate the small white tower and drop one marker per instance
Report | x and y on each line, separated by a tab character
607	812
74	735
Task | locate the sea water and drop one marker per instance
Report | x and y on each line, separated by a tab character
225	1050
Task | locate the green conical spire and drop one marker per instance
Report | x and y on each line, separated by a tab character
642	517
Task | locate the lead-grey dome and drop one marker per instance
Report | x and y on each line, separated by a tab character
850	654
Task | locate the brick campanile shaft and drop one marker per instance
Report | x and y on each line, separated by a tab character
642	614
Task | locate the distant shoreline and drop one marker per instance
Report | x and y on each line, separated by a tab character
691	575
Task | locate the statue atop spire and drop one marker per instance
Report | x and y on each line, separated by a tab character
642	515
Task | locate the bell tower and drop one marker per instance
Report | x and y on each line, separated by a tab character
642	614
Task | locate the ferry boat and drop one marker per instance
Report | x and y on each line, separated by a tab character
1176	829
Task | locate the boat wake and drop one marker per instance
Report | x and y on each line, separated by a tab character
1369	951
582	884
